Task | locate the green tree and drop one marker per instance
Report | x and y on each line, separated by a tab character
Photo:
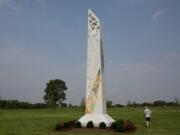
109	103
55	93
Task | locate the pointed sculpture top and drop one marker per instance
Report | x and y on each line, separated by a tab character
93	21
91	13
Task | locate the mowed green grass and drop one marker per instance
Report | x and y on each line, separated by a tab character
165	121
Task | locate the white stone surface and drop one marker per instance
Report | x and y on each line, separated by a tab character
96	118
95	94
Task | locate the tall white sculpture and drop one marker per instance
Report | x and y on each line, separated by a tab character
95	96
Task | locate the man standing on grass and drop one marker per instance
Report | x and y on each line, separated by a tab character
147	115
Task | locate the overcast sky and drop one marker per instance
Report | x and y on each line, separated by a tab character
47	39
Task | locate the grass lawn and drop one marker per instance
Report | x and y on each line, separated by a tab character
165	121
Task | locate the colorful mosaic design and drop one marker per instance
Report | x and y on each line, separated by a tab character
92	97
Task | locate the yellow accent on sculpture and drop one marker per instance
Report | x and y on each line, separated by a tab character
92	98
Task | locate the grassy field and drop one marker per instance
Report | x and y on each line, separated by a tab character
165	121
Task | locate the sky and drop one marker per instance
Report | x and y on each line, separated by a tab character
42	40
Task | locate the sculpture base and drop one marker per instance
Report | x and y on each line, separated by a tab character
96	119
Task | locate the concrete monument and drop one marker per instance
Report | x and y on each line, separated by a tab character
95	95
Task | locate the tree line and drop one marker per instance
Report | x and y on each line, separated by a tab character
15	104
55	96
155	103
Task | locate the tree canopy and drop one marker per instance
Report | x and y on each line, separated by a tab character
55	92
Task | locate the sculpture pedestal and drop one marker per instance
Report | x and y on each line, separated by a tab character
96	119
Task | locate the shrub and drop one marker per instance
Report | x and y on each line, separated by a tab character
128	125
59	126
120	122
78	124
72	123
113	125
120	126
90	124
66	125
102	125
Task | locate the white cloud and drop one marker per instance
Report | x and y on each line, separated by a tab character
11	4
42	2
171	56
156	15
4	2
17	4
